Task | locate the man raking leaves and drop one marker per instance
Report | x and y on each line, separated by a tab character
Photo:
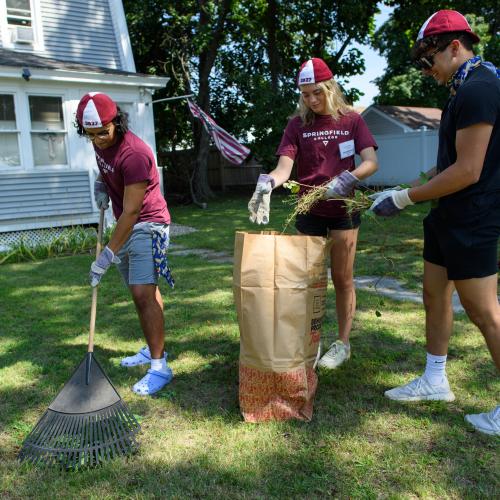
129	177
87	423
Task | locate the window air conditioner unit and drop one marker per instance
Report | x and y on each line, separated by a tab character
23	34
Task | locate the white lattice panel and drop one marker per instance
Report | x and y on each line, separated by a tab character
32	237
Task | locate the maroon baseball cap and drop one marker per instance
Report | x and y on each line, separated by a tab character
95	110
445	21
313	71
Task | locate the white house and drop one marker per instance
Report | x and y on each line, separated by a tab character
408	141
51	53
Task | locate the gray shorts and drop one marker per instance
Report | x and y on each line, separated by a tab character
137	265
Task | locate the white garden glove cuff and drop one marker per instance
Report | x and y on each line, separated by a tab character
401	198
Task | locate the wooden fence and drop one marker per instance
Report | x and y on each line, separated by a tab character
178	165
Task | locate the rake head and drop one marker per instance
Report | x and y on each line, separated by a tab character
86	424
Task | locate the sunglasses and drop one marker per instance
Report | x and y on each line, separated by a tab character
427	61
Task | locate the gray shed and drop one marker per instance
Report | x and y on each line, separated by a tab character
408	141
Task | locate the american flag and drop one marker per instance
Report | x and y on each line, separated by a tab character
229	147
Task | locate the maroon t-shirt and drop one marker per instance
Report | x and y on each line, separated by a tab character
127	162
323	150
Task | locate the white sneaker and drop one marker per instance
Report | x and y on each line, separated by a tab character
335	356
489	423
420	390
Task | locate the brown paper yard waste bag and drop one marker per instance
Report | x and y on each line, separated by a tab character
279	286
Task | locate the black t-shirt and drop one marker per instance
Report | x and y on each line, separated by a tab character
477	101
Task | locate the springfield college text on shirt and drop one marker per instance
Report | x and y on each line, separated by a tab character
323	150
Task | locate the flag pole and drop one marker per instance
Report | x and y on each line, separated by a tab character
176	98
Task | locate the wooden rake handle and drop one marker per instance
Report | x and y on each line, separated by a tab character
93	307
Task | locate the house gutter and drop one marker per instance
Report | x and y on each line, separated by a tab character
44	75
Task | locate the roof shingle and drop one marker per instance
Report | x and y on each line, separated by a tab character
26	59
413	117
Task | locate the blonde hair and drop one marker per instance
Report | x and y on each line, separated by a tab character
336	104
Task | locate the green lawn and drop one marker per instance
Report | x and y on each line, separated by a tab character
194	443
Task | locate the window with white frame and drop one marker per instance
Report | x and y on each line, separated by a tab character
20	25
9	141
20	21
48	133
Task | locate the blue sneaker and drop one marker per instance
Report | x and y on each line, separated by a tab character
152	382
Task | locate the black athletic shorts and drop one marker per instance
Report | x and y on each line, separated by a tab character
468	250
316	225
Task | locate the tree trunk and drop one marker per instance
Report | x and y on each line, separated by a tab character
272	46
201	187
207	57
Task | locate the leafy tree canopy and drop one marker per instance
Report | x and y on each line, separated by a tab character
251	86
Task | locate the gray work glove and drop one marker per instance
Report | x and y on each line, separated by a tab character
101	264
259	204
341	186
101	195
391	202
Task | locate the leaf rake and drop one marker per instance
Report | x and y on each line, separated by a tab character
87	423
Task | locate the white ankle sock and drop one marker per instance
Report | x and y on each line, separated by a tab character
159	365
435	369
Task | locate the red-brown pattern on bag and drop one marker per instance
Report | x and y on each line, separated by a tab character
268	396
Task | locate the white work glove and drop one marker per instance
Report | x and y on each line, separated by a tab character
391	202
341	186
101	265
259	204
101	195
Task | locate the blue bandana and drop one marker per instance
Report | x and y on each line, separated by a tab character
160	246
467	67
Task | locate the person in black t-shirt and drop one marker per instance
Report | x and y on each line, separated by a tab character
462	229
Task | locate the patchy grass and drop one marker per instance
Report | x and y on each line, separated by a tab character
194	443
387	247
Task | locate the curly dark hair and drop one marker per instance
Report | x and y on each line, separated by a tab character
440	42
120	121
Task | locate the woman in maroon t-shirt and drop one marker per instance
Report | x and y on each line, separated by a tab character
322	139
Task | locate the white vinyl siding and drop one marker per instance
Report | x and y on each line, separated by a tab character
80	31
36	195
402	152
401	157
